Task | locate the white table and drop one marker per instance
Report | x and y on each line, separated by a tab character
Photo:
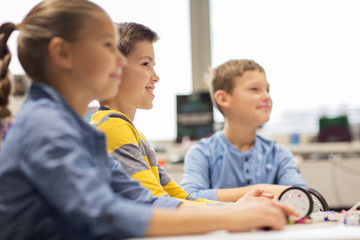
326	230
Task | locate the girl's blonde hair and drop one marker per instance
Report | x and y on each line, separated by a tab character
50	18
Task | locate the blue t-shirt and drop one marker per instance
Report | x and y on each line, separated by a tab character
58	182
214	163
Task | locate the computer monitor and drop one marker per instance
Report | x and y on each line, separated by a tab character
194	116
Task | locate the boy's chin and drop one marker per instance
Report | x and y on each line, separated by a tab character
262	123
146	107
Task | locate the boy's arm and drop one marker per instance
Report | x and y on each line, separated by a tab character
288	172
129	156
234	194
123	144
131	189
196	179
174	190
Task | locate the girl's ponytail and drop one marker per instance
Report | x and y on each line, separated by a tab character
5	56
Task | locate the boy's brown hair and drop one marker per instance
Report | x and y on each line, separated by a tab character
130	33
224	76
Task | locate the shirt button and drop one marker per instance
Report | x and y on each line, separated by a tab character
248	181
246	159
247	170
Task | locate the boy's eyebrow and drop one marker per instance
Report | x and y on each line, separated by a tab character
147	57
257	82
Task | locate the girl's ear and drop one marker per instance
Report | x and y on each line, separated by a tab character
222	98
60	52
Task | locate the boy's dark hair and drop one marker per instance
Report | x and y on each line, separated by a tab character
130	33
224	76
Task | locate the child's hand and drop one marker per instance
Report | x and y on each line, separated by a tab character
254	194
262	213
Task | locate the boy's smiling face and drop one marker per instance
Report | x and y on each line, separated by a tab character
139	77
250	102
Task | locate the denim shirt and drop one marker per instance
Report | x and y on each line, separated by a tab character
215	163
58	182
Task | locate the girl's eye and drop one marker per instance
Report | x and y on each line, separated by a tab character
109	45
146	64
254	89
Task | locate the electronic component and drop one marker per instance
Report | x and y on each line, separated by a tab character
319	202
305	201
298	198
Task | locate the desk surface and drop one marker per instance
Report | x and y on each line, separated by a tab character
328	147
326	230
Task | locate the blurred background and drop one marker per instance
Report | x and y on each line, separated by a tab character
310	50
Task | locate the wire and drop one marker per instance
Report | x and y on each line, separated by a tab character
337	164
336	160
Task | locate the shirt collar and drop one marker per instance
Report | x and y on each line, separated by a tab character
40	90
103	108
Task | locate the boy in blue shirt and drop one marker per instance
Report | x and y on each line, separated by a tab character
234	160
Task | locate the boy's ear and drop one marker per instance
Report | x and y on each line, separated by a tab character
60	52
222	98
